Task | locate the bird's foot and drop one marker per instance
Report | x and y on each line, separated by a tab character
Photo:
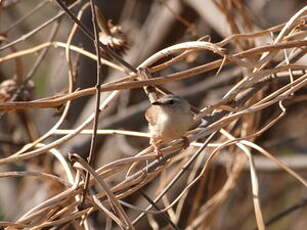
186	142
158	151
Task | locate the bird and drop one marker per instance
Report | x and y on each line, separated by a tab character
169	117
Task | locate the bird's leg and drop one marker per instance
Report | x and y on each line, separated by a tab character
186	142
156	145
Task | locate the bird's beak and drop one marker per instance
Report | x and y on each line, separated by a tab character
156	103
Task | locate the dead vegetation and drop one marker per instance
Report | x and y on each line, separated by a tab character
74	143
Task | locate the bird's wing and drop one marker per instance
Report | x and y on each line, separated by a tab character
152	120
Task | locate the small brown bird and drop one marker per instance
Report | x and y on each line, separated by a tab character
169	118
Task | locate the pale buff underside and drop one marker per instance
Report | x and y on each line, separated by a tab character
168	126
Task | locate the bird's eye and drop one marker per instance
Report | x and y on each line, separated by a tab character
171	102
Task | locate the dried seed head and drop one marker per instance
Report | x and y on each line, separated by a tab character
8	87
115	38
111	35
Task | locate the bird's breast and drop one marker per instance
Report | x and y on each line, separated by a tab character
171	126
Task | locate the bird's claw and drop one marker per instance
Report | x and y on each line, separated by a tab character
186	142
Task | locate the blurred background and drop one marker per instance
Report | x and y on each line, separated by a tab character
148	26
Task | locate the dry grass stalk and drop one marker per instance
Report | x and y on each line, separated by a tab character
274	75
